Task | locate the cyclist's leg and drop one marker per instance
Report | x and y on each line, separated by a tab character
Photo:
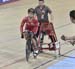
37	34
34	41
42	32
42	37
52	36
51	32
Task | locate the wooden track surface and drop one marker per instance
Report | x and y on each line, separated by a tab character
12	47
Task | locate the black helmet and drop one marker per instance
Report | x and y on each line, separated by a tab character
31	10
72	14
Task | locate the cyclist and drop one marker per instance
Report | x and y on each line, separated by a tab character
30	23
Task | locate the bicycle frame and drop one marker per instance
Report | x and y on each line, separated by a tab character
49	45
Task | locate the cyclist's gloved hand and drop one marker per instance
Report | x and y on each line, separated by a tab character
22	36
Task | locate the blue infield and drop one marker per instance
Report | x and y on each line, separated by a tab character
67	63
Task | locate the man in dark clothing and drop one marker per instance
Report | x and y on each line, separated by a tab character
42	12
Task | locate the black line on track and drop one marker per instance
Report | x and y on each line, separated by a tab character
63	25
68	56
64	55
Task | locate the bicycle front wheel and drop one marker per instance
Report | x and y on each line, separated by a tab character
28	49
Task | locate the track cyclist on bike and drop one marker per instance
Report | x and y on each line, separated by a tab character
30	24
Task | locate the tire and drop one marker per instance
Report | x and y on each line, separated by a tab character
28	49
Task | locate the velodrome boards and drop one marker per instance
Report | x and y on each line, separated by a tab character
6	1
